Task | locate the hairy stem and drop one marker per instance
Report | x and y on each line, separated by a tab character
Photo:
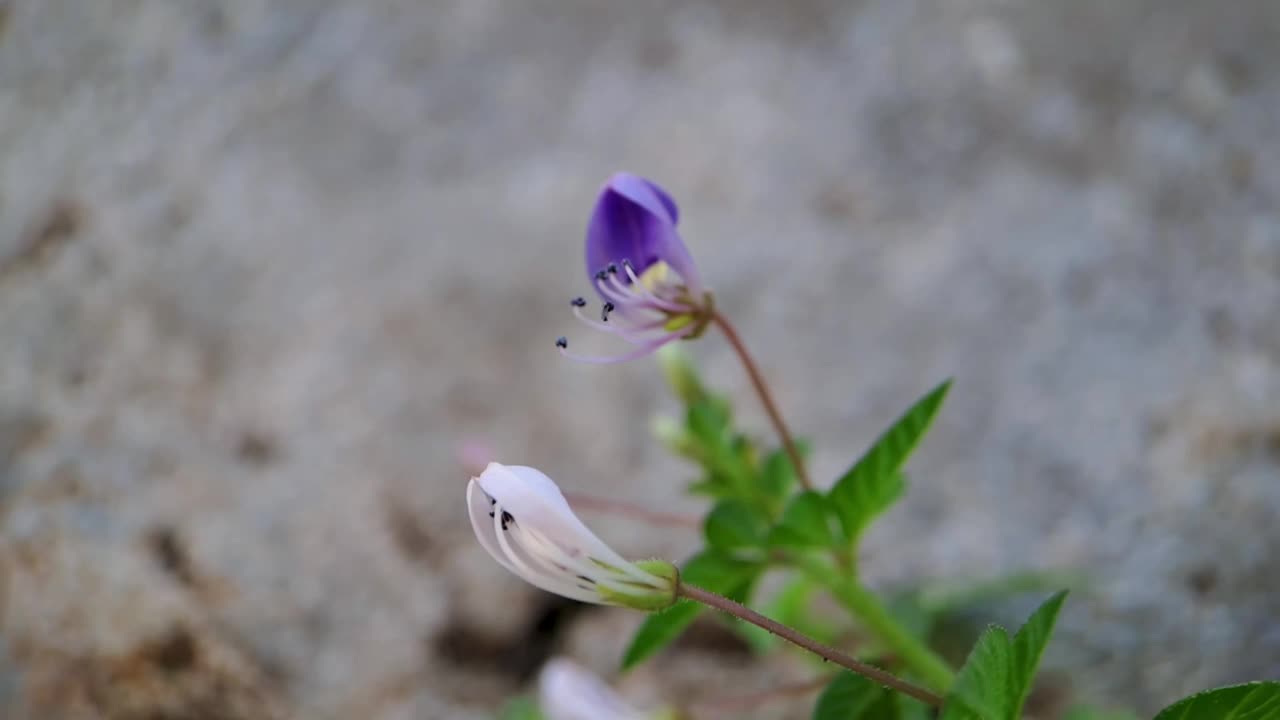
830	654
867	608
766	398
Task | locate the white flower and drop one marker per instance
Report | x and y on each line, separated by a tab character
567	691
525	523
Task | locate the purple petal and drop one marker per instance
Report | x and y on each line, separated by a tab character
647	194
635	219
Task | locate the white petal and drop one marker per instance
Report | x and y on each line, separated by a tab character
536	502
566	691
479	507
523	489
534	570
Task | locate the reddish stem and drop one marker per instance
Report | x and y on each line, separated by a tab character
830	654
762	389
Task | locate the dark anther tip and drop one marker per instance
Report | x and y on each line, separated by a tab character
605	310
602	274
578	302
562	342
613	268
627	264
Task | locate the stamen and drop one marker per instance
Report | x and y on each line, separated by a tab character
645	349
617	293
507	519
613	268
562	342
623	330
638	288
602	274
578	301
638	293
605	310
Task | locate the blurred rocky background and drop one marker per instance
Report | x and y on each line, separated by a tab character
266	265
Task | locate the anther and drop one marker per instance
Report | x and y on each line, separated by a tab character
602	275
613	268
605	310
506	519
626	264
578	302
562	342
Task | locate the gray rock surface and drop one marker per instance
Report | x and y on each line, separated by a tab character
265	265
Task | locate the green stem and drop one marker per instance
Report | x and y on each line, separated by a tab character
868	609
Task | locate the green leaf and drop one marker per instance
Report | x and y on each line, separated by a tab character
1250	701
778	475
719	572
805	523
982	688
659	630
875	481
733	524
727	458
709	570
851	697
708	422
910	708
1029	645
997	676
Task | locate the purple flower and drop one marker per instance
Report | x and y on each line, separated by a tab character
648	285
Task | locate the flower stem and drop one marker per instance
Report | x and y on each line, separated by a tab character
830	654
867	608
762	389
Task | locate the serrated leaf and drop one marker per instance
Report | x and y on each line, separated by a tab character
982	688
875	481
996	677
708	422
732	525
778	475
805	523
710	570
1249	701
1029	645
850	697
718	572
